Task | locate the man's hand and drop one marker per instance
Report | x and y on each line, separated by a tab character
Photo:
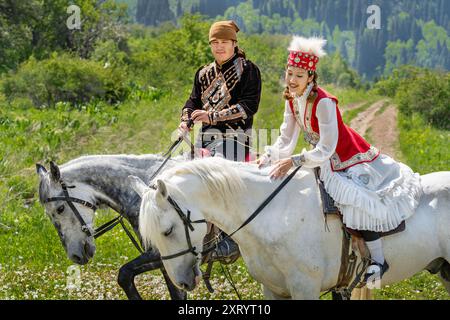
280	168
200	116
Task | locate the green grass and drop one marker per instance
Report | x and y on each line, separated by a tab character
425	149
33	264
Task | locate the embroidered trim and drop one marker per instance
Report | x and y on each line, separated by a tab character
217	96
186	114
309	134
232	113
295	109
308	113
242	111
311	137
206	75
216	86
298	160
368	156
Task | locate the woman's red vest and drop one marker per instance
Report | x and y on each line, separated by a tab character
351	148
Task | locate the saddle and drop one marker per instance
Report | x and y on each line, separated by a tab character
329	207
344	286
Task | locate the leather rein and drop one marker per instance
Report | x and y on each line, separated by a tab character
188	223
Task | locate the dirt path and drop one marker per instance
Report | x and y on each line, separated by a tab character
363	120
384	132
379	126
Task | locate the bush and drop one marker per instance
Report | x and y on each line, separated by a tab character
171	59
419	90
428	95
65	78
334	69
389	86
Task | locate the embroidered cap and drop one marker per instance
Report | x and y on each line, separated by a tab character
305	52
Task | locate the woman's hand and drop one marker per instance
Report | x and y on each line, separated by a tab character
281	168
200	116
262	161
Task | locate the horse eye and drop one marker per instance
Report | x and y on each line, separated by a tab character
60	209
168	232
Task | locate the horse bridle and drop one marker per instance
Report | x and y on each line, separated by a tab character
84	227
70	200
119	219
188	222
188	225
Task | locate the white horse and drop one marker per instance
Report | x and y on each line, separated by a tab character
286	247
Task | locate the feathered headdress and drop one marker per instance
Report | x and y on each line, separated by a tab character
305	52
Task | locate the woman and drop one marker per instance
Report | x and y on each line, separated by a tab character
373	192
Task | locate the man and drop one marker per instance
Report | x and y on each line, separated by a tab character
224	98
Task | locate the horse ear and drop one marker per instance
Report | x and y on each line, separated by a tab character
54	170
40	170
162	189
138	185
161	194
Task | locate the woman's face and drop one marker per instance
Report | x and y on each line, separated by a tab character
222	49
297	79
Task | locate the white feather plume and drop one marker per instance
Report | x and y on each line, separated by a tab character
312	45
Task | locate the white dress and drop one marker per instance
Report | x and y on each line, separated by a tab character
375	196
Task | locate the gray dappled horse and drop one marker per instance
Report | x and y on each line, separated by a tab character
98	182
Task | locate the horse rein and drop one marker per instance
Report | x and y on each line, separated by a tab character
84	227
188	223
119	219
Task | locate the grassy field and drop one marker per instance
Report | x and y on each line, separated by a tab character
33	264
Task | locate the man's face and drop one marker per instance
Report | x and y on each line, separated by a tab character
222	49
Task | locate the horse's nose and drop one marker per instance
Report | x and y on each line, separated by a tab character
75	258
184	285
79	260
88	250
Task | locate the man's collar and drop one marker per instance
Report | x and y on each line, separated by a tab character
226	63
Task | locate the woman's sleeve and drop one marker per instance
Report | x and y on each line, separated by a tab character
329	134
287	140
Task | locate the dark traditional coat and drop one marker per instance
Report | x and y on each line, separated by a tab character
230	93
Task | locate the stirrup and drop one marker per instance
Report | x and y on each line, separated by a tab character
227	251
376	268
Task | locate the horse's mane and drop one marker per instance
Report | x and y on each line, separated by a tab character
220	176
108	158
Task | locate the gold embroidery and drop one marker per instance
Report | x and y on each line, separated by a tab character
311	137
217	96
232	113
186	114
296	114
357	158
216	86
309	134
